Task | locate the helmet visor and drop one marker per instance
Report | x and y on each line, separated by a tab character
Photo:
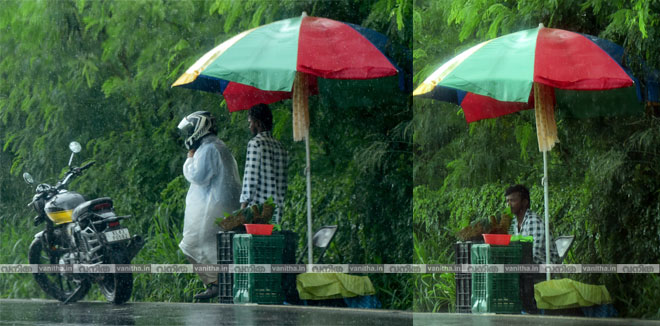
186	127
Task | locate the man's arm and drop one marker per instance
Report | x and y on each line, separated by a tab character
536	229
251	173
199	168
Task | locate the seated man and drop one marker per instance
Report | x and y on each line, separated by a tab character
526	223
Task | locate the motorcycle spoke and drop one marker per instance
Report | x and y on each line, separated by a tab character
57	283
44	258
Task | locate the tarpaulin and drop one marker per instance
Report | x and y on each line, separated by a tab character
566	293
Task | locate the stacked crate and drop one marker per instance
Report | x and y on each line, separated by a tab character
289	257
463	280
527	280
264	288
225	257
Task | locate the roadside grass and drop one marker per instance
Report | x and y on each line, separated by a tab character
433	292
16	238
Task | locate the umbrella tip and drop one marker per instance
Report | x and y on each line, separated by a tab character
541	25
304	14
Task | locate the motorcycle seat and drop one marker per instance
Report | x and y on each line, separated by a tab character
91	206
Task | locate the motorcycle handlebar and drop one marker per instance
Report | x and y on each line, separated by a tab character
86	166
72	173
44	189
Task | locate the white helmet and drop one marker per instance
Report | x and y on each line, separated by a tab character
196	126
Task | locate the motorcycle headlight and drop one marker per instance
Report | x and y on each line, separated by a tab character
38	205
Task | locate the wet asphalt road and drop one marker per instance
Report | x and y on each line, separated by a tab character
520	320
47	312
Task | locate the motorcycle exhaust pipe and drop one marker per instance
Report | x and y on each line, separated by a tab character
134	246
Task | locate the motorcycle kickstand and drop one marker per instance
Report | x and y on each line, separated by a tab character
73	294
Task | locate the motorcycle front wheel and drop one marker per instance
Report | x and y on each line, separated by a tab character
117	287
61	286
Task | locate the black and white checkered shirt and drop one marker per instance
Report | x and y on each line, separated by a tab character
533	225
265	172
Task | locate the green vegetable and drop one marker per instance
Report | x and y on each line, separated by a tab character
527	238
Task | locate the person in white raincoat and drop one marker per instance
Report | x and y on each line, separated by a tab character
214	189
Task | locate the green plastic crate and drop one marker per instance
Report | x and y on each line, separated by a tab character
496	292
264	288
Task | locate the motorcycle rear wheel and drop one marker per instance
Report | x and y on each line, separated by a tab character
117	287
57	285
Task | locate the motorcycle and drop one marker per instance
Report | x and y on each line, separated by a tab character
82	233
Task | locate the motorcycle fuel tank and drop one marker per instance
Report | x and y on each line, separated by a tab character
60	208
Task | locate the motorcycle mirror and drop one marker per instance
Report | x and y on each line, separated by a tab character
75	147
28	178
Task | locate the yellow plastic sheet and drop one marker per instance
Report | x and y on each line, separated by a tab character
321	286
566	293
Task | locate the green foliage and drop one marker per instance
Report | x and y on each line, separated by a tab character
603	174
100	73
433	292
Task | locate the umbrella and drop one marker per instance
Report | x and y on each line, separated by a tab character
629	100
517	69
283	60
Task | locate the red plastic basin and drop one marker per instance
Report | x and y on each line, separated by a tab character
259	229
497	239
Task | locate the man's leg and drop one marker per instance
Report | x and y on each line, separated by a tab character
209	279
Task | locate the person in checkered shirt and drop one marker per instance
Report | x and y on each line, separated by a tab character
527	222
266	162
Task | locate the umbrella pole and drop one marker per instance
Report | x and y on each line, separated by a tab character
308	173
300	131
546	131
547	213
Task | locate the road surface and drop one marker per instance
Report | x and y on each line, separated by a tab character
48	312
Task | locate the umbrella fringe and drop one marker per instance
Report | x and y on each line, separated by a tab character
300	106
544	108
